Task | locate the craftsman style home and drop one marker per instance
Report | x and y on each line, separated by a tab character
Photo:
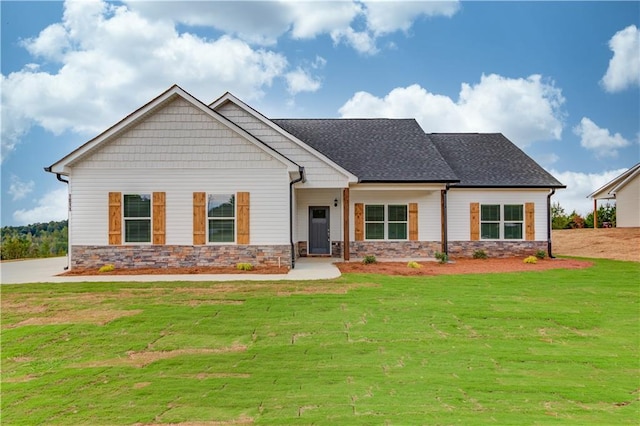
181	183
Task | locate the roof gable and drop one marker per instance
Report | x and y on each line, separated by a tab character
230	98
174	92
609	190
491	160
375	150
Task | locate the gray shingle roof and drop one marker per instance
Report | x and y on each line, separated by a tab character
375	150
490	160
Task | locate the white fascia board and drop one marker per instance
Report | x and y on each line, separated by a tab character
228	97
62	166
628	179
607	191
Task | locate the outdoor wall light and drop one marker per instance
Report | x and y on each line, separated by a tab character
335	202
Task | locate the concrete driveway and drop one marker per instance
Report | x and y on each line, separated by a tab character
46	271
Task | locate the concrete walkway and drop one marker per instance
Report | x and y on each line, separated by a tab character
46	270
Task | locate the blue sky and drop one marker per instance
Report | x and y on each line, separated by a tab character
560	79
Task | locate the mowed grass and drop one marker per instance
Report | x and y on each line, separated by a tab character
554	347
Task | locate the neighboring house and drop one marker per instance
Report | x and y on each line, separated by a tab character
182	183
625	189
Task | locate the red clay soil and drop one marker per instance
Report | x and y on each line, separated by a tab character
461	266
179	271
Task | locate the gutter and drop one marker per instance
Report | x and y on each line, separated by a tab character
59	177
291	213
553	191
445	225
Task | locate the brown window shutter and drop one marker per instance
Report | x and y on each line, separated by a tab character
115	218
475	221
530	221
159	218
358	214
243	214
199	218
413	221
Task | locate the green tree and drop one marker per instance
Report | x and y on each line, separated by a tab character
606	214
559	219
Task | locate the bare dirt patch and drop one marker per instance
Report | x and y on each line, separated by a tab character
194	270
461	266
603	243
143	358
90	316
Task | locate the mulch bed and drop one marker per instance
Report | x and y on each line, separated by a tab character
179	271
457	266
461	266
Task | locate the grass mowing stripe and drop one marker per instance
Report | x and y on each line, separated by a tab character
536	347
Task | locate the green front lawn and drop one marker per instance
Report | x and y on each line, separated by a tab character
554	347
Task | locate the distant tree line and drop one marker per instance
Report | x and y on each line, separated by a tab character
606	215
36	240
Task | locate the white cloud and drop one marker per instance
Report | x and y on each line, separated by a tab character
52	206
624	67
579	186
19	189
385	16
599	140
264	23
112	60
524	109
300	81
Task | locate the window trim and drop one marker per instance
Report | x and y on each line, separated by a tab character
386	222
209	218
125	218
503	222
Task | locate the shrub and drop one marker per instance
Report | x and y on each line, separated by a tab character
531	259
441	257
480	254
244	267
414	265
541	254
106	268
369	259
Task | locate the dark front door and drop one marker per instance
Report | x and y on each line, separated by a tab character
319	230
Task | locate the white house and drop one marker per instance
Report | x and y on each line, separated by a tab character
182	183
625	189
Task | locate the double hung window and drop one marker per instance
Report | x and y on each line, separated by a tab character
221	218
137	218
385	222
501	221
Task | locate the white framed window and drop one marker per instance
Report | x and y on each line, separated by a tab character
137	218
221	218
385	222
501	221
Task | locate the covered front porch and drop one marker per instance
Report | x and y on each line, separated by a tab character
410	221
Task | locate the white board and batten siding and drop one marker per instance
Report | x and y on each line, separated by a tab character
179	151
459	200
318	173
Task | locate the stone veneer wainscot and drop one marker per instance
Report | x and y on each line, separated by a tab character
178	256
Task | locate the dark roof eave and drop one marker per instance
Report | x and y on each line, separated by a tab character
405	181
560	186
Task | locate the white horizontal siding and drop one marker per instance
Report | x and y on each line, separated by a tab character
318	173
306	198
458	208
178	136
628	204
268	188
429	223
